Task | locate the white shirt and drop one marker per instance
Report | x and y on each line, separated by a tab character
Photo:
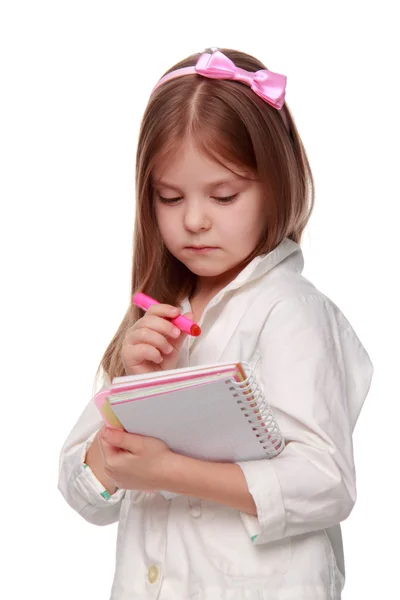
315	374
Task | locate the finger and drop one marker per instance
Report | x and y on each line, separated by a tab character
159	324
183	335
167	311
139	353
152	338
105	447
110	451
122	439
107	451
189	315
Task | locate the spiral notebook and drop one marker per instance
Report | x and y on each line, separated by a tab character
214	412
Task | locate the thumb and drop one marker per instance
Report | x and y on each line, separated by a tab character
121	439
177	343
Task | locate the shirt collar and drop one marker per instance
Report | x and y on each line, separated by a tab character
260	265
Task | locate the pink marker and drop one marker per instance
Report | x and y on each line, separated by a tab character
184	324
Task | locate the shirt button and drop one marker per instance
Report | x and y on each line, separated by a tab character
195	511
153	574
195	507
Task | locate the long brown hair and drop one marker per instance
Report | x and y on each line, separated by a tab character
230	123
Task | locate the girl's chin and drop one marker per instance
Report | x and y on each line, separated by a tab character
206	272
209	268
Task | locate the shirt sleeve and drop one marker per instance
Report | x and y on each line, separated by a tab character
77	483
315	374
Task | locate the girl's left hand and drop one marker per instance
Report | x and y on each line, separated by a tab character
134	462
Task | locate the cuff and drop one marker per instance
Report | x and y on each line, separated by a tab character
95	484
263	484
88	487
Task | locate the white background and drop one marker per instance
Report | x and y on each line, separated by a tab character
75	77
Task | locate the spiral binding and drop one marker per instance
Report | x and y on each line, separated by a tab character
252	402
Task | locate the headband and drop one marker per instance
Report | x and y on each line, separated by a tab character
267	85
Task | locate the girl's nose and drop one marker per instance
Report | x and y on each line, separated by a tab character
195	217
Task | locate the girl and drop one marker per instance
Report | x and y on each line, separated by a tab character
224	192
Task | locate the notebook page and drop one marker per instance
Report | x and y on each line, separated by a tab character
171	374
204	422
161	388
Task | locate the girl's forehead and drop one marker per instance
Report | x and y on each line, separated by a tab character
188	162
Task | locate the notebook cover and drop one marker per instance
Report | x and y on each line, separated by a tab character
205	422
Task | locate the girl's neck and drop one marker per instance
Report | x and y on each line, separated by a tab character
205	290
208	287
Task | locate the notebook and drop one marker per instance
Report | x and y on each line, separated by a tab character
213	412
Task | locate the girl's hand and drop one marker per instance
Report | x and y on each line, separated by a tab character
134	462
153	343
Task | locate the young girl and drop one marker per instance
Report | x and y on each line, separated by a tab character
224	192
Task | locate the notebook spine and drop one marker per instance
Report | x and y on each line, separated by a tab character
258	412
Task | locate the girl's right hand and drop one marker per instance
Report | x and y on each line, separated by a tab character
153	343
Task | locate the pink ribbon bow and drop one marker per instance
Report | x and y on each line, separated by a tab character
266	84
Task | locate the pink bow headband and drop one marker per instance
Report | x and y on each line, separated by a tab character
266	84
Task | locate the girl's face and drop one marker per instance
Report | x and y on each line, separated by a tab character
209	218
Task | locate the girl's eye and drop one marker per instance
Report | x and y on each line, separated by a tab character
226	199
220	199
168	200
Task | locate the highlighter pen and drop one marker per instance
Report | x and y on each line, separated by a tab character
144	302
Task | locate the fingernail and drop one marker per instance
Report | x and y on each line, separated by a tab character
176	332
